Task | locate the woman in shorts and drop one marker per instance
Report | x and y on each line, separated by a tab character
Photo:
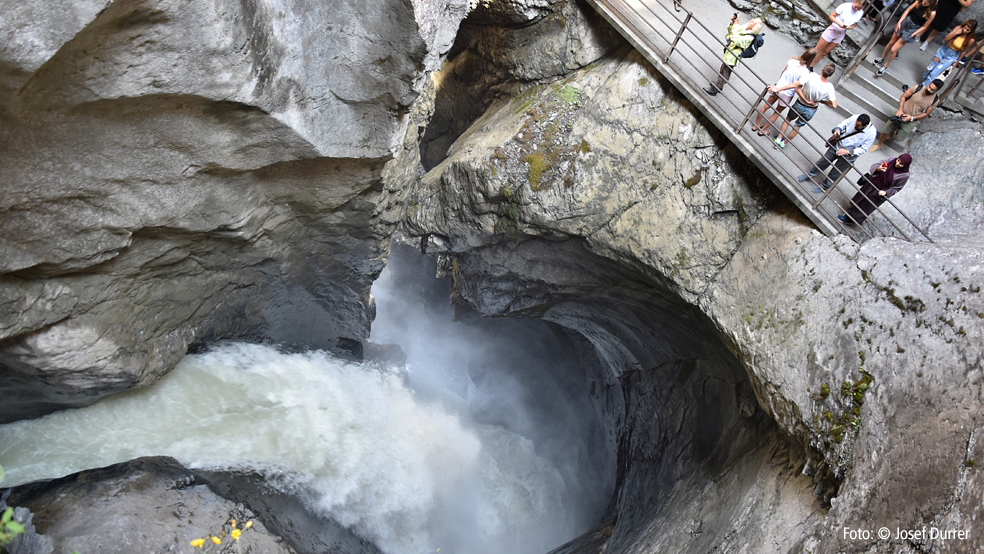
844	17
795	69
914	24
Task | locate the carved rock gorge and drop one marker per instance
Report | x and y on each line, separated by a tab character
181	172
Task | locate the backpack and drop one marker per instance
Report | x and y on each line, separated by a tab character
753	48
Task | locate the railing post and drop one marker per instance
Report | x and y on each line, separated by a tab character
678	35
751	110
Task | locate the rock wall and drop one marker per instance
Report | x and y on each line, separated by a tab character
179	171
601	201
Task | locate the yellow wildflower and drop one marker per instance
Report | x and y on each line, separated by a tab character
197	543
216	540
249	524
236	532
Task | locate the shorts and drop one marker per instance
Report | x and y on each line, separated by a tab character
800	113
906	29
834	34
902	129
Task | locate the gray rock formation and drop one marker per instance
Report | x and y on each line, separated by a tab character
599	202
156	505
179	172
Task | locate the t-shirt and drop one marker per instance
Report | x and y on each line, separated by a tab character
816	90
795	70
918	103
845	14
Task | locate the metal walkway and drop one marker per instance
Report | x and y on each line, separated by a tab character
688	54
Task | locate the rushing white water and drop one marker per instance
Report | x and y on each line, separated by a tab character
408	474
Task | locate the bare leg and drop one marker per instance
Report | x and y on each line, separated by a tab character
823	48
782	129
773	118
881	141
769	100
793	131
891	42
894	50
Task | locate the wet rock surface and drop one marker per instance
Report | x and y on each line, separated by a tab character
177	173
850	349
769	386
147	505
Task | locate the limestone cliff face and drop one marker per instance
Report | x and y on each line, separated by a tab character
176	172
598	200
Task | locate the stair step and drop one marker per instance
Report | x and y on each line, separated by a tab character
886	81
877	109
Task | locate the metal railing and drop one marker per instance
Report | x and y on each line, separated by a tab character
882	21
692	51
955	81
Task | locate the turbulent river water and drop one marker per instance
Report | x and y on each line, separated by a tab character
415	458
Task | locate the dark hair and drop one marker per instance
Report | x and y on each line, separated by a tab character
939	83
864	118
827	70
973	26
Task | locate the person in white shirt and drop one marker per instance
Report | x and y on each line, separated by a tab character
794	71
811	91
844	17
852	138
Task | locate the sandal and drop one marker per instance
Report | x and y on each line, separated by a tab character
762	133
755	128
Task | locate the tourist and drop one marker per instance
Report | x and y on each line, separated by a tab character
811	91
739	38
957	44
883	180
914	23
852	138
945	12
843	18
914	104
796	68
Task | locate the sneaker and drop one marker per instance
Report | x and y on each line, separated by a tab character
802	177
878	61
881	70
779	143
711	90
817	190
977	70
923	46
845	220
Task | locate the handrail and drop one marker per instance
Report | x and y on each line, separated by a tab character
676	38
871	42
959	76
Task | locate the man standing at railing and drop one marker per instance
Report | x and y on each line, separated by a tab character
739	38
811	91
852	138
